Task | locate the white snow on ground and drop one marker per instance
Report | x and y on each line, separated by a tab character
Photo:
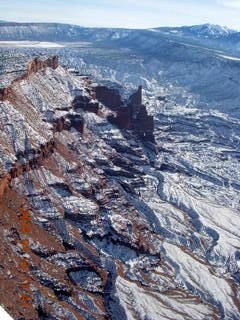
201	277
36	44
153	30
145	304
223	220
229	57
4	315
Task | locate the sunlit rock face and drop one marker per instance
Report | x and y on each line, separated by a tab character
114	231
38	64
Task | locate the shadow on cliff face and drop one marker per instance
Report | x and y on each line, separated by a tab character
133	115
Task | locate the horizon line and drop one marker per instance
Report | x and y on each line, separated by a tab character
104	27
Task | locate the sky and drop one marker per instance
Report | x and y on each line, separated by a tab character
124	13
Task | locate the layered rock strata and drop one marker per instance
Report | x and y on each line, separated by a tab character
85	231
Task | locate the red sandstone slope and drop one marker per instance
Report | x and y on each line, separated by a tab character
34	283
76	243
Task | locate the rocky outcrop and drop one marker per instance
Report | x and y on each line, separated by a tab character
85	103
33	159
123	118
76	122
38	64
144	124
5	93
110	97
33	66
4	184
134	116
136	98
36	159
60	124
71	120
129	115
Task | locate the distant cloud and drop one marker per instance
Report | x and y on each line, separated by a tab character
230	3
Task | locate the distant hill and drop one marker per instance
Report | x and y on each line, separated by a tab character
207	31
13	31
212	36
209	35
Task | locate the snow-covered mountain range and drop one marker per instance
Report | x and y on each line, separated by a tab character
212	36
202	31
66	32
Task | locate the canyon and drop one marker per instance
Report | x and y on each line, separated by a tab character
116	229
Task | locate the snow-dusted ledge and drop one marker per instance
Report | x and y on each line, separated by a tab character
4	315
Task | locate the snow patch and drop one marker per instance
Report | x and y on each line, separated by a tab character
4	315
35	44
